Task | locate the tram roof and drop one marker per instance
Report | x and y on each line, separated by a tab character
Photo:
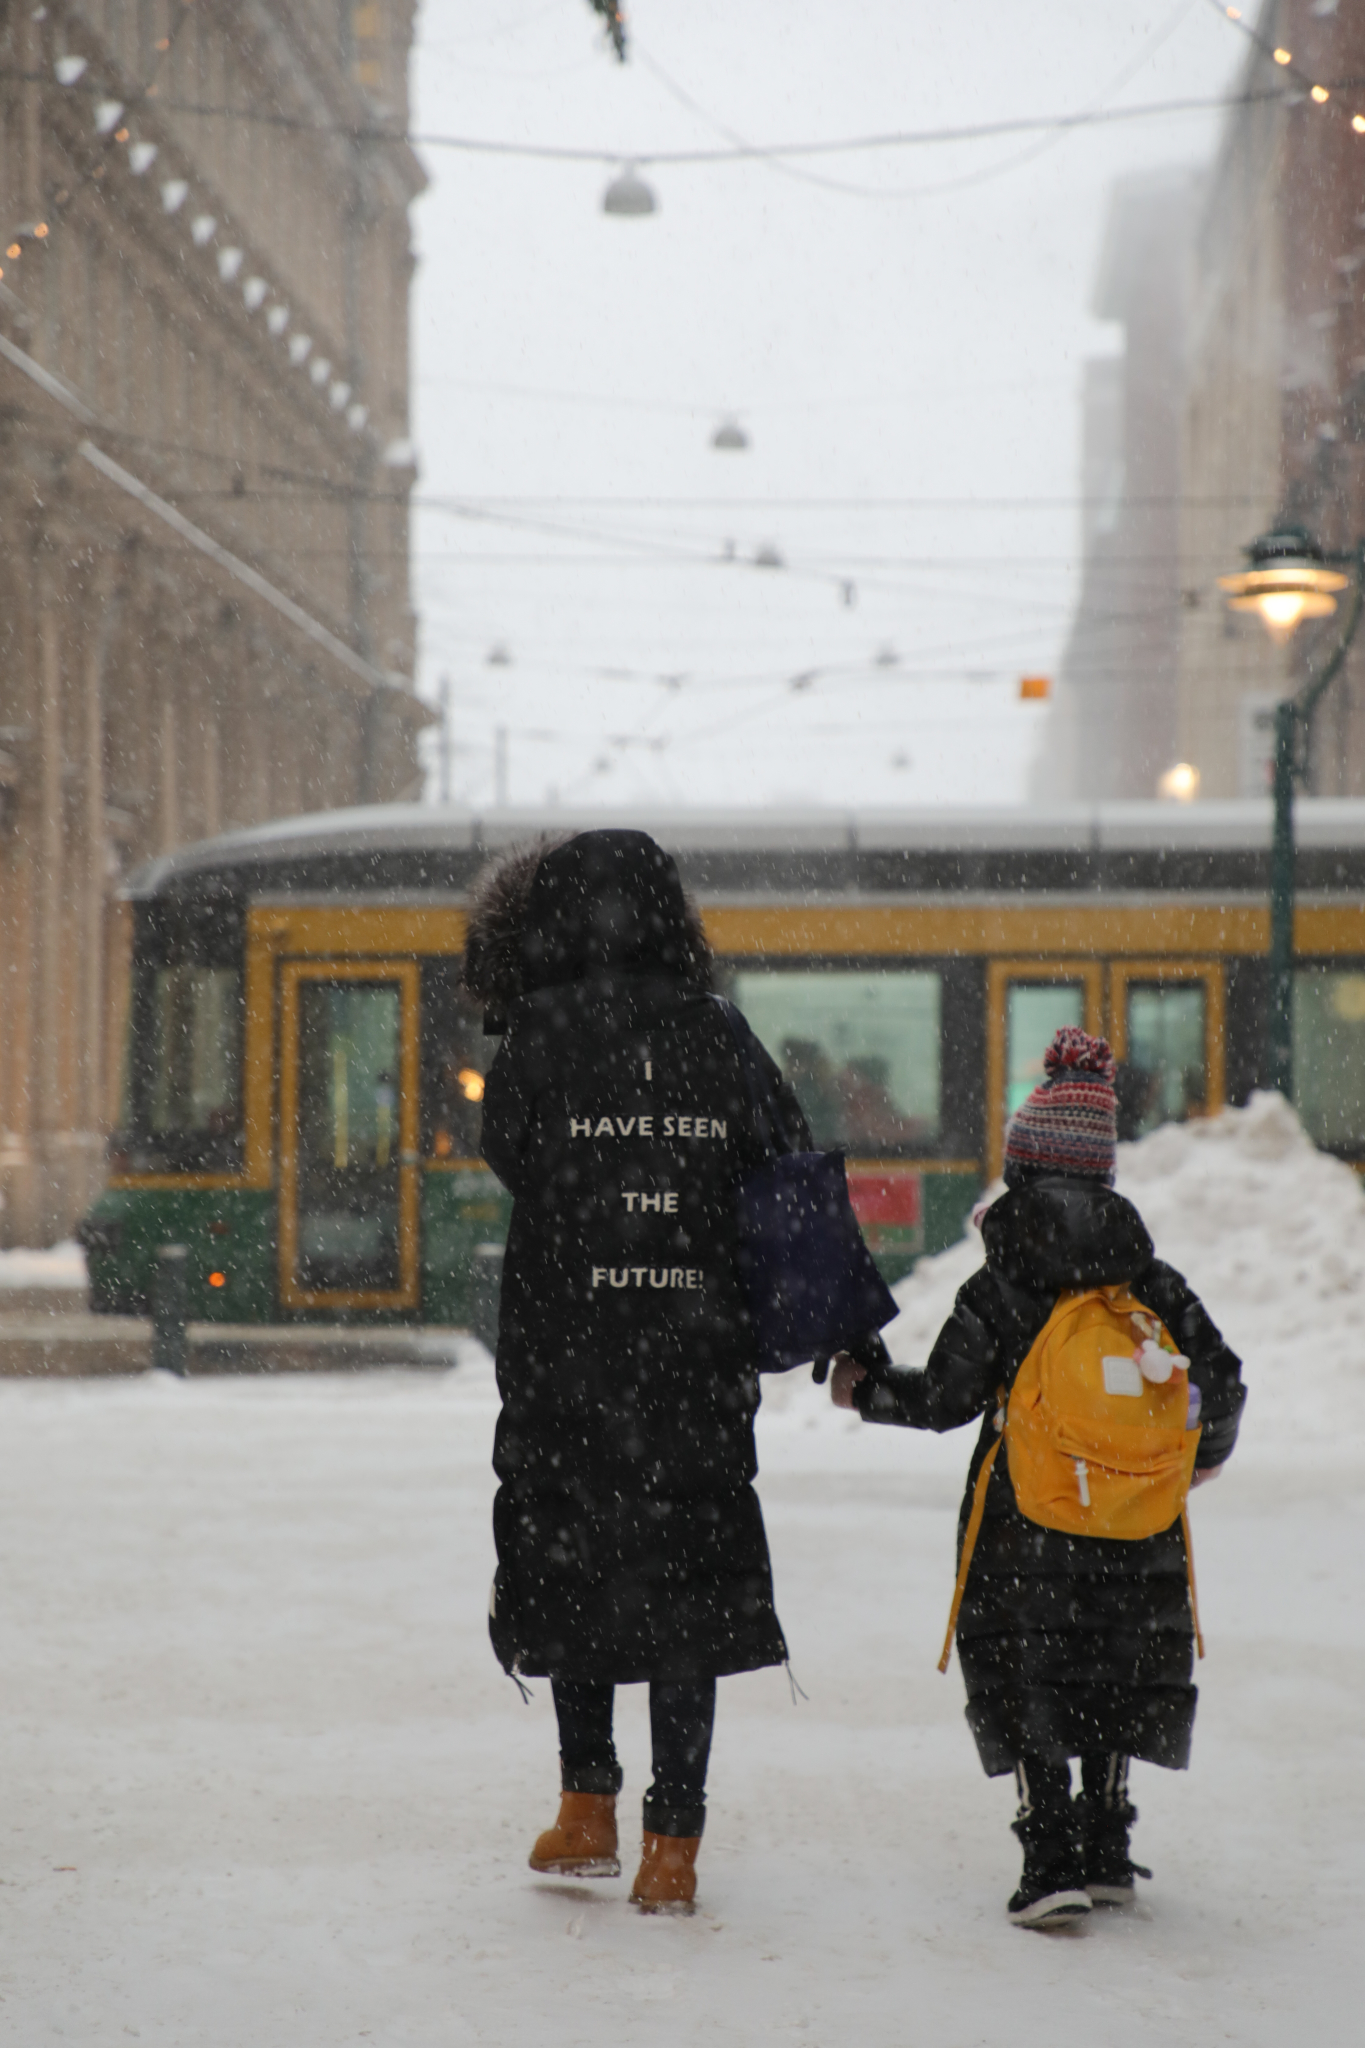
297	852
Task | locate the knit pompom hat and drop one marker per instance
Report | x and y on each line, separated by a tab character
1069	1123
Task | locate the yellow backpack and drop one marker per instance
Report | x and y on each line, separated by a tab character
1097	1435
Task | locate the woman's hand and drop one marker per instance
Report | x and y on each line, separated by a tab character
844	1378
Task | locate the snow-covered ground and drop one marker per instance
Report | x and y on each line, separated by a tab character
265	1787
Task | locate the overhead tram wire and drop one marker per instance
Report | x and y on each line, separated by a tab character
1015	162
694	408
305	484
980	131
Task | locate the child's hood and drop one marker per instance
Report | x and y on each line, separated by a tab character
1063	1232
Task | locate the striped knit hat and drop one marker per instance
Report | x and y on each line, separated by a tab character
1068	1124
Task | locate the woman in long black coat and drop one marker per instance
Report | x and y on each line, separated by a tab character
620	1112
1071	1646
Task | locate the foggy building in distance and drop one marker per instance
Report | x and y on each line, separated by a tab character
1276	402
204	474
1114	720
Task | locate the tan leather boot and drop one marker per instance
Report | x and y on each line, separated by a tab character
582	1842
666	1881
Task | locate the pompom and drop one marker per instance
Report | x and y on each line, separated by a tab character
1075	1051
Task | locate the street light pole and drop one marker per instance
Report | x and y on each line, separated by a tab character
1293	733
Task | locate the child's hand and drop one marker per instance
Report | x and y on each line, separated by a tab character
844	1378
1209	1472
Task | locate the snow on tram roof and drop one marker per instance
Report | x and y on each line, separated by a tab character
1233	826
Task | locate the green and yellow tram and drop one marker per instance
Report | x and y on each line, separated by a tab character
303	1077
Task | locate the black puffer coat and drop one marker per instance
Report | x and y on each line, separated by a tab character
620	1114
1067	1643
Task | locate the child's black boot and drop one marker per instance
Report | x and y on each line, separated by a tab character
1052	1889
1106	1816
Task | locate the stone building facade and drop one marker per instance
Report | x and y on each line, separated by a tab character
1113	723
204	480
1275	410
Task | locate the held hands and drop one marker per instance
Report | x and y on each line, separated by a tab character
844	1378
846	1373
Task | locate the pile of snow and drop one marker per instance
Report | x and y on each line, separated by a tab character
62	1265
1268	1231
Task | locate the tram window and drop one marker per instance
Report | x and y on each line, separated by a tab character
187	1084
455	1058
1164	1077
349	1050
861	1049
1329	1055
1035	1012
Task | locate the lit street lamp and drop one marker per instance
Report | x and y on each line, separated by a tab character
1288	578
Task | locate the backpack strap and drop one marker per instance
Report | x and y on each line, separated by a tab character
1189	1573
973	1530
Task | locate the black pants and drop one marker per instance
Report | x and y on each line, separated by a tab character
1043	1786
680	1722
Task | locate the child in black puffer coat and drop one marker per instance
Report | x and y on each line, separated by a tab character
1071	1646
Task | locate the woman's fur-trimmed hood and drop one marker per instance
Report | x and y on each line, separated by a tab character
503	949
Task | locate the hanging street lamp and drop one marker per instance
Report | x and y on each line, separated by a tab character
628	195
1289	578
1287	581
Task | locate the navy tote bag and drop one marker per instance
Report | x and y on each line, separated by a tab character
810	1281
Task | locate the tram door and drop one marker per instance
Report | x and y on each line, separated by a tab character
1029	1002
1167	1033
348	1134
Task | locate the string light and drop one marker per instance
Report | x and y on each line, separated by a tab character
1319	94
1358	123
109	114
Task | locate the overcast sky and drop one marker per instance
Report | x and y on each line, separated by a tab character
904	354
